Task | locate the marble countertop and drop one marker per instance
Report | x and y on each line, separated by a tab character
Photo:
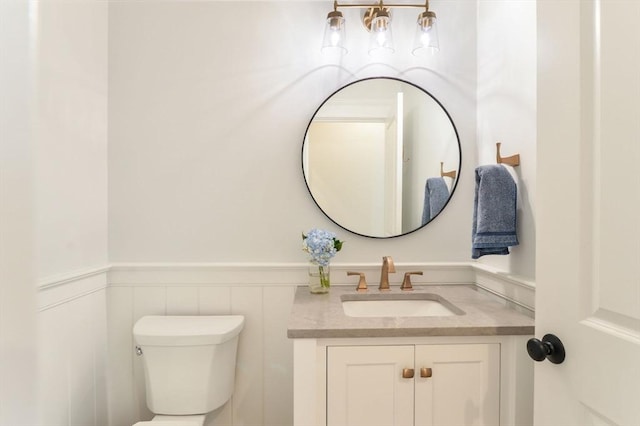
322	316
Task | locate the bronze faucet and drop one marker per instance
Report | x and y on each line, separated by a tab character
387	266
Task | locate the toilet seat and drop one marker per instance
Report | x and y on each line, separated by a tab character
160	420
167	423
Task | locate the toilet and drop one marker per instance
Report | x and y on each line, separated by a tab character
189	365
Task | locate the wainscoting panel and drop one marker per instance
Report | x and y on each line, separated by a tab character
278	357
248	407
53	376
264	294
72	350
89	373
264	380
122	410
515	292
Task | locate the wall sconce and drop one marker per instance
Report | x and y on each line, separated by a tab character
334	33
377	20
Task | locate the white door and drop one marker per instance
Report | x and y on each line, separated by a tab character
588	207
394	137
392	198
460	387
366	386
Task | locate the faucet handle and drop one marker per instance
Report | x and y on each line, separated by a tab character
406	282
362	283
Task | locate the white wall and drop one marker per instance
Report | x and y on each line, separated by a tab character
507	112
17	292
53	213
205	135
71	136
204	166
206	123
70	210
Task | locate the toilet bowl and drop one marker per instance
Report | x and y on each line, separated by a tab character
189	365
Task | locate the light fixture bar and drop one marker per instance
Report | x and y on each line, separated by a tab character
377	21
337	5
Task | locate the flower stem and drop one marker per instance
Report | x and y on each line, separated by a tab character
324	277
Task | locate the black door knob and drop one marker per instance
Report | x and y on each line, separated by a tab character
550	347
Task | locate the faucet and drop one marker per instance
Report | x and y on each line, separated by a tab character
387	266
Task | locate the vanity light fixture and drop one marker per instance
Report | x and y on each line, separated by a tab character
380	36
334	33
426	38
377	20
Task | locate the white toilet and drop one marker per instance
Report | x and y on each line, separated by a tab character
189	365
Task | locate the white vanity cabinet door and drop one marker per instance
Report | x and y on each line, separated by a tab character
464	387
365	386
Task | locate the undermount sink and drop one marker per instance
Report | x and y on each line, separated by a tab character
398	305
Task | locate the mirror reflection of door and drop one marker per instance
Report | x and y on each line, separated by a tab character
369	150
345	160
393	171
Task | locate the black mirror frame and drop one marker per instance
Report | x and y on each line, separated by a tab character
455	183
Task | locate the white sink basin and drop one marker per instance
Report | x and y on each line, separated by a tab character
419	305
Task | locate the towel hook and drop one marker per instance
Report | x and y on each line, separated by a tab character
513	160
452	174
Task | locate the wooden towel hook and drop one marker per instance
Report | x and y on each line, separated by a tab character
452	174
513	160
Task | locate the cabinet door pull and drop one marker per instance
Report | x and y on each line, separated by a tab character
407	373
425	372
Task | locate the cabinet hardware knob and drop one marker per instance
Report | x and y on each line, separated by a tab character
407	373
550	348
426	372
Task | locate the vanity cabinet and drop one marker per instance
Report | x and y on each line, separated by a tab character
405	385
457	370
474	380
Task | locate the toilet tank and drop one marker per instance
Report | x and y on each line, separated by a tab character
189	361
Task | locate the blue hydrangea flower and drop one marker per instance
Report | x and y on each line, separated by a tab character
321	245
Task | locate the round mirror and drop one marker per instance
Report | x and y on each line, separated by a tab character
381	157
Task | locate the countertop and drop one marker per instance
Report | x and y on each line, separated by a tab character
322	316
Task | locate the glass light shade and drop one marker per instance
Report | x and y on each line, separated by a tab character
381	38
426	38
334	33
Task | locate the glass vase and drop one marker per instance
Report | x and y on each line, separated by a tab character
319	278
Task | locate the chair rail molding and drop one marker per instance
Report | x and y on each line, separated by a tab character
55	290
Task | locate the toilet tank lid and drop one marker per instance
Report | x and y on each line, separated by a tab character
160	330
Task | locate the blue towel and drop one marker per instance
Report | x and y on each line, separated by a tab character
494	212
436	195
